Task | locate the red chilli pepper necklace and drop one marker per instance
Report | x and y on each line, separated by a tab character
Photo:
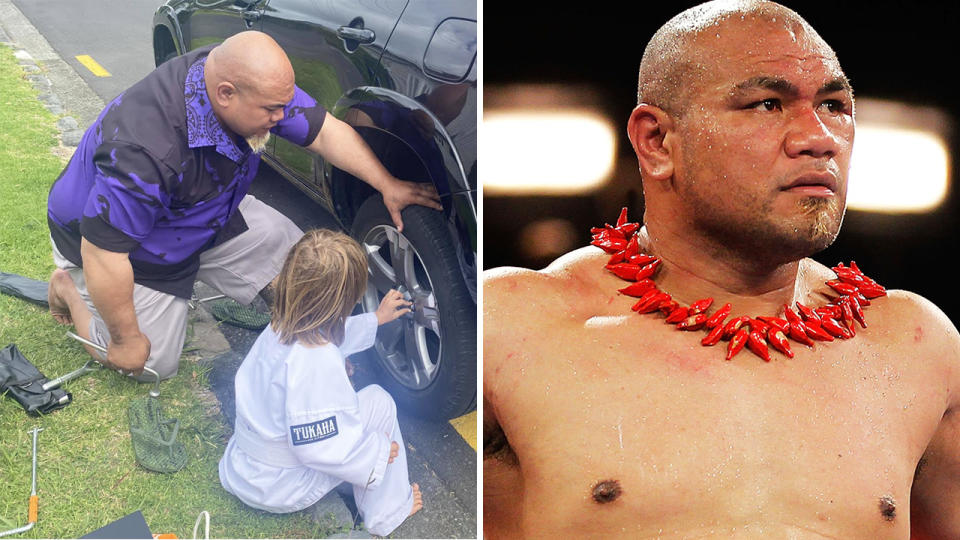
836	320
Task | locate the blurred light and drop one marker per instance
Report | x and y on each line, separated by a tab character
895	170
548	238
900	162
548	152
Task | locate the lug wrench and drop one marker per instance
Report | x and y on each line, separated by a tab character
91	365
34	500
88	367
194	301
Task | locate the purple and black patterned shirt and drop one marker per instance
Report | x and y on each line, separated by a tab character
158	177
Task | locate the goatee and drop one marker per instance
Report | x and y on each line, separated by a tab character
824	229
258	143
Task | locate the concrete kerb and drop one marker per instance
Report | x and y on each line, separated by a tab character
60	88
66	95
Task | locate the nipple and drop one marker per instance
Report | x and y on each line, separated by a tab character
888	508
606	491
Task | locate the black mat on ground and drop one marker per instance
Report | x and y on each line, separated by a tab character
23	287
22	381
130	526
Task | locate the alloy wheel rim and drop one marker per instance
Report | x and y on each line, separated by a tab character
409	347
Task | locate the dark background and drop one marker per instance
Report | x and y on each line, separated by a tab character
893	50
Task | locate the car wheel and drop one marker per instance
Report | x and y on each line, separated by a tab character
427	359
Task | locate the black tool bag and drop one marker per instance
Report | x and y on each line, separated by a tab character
22	381
29	289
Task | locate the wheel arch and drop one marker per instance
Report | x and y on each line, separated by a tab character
396	145
167	36
351	104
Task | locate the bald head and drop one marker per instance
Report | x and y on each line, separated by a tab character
739	100
679	52
249	81
249	60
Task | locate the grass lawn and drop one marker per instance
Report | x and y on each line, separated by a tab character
86	473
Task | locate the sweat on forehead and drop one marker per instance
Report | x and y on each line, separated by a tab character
676	51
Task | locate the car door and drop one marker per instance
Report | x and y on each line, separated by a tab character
334	46
213	21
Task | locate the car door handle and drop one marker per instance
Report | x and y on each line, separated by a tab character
360	35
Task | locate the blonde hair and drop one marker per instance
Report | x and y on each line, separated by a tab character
322	279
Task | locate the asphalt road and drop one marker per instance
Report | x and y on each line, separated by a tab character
118	39
117	35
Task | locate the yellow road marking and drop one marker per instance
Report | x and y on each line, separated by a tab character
92	65
466	426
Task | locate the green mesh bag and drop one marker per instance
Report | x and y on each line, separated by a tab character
154	437
231	312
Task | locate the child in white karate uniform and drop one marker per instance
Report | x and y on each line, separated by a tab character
301	429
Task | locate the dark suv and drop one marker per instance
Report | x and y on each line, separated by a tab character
404	75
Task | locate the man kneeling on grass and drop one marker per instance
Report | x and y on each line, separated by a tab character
156	197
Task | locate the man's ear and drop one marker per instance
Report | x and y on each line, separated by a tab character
224	93
648	129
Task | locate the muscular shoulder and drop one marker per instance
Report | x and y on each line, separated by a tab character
929	327
511	293
913	325
902	313
520	304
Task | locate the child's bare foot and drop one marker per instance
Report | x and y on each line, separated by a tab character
417	500
61	294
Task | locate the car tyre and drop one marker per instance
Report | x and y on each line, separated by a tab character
169	56
440	335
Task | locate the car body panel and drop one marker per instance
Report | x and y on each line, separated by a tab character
326	65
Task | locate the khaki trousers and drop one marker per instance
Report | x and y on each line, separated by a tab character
239	268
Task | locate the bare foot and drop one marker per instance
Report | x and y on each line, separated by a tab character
417	500
60	295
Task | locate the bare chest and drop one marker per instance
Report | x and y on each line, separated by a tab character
622	416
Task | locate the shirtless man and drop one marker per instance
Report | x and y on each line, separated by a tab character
602	422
